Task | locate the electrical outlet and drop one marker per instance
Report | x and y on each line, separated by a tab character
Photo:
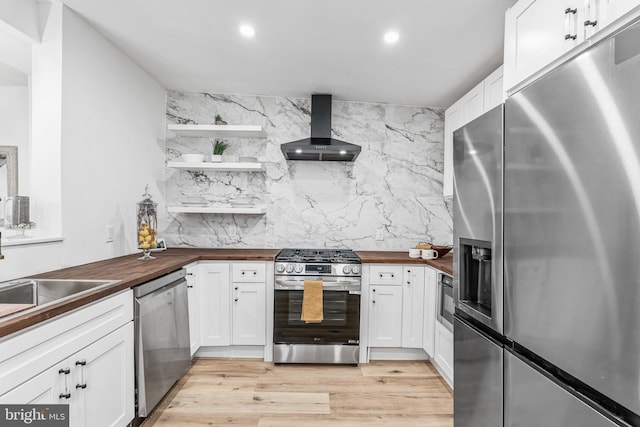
380	234
109	234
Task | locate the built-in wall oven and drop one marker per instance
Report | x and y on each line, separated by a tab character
334	339
446	306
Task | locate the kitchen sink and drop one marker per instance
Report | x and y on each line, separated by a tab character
44	291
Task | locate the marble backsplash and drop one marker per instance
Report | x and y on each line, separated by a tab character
395	184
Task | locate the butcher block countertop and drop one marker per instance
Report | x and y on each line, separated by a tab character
130	271
444	264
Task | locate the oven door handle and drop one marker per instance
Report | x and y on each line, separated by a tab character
352	286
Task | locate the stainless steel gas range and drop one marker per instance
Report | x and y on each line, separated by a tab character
336	338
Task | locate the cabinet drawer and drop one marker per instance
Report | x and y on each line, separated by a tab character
249	272
385	275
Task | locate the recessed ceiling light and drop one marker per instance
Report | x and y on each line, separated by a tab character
391	37
247	30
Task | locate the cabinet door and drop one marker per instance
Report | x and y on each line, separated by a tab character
430	288
102	385
537	32
385	316
194	309
473	103
47	387
215	314
444	352
249	313
493	90
453	119
412	307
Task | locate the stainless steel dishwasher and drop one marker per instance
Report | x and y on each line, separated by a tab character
162	347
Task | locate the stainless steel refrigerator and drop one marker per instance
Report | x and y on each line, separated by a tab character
566	348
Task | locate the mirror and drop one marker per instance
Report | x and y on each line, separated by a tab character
8	171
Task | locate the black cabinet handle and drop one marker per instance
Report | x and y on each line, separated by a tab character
81	386
189	286
81	363
236	300
65	396
189	274
65	371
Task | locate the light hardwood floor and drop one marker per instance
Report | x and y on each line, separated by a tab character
242	392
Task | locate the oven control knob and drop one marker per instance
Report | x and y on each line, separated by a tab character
355	269
298	268
289	268
279	268
346	269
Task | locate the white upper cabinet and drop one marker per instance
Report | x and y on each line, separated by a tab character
536	33
493	90
486	95
453	119
539	34
473	103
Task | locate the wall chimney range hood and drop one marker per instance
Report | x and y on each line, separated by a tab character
320	146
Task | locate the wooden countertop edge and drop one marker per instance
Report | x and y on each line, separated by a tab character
444	264
171	260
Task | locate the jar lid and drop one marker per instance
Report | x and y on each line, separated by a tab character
147	197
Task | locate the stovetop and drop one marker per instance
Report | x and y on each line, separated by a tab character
332	256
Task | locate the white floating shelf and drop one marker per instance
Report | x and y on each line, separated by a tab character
221	166
225	131
256	210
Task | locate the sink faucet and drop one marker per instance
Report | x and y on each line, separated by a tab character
1	256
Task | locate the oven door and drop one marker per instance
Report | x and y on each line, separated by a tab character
341	309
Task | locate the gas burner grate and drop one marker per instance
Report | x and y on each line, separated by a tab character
318	255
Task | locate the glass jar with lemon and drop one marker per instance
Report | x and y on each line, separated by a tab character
147	224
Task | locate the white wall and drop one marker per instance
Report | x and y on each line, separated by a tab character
111	144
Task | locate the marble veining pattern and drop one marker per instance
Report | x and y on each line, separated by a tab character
395	184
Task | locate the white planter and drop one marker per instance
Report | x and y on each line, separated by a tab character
216	158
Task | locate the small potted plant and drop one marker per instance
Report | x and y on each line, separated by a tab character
219	146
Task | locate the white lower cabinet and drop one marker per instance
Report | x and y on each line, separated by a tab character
249	314
215	309
101	381
44	388
193	298
79	360
444	352
385	316
412	307
396	306
232	306
430	292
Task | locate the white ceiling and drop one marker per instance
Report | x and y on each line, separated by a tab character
309	46
301	46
